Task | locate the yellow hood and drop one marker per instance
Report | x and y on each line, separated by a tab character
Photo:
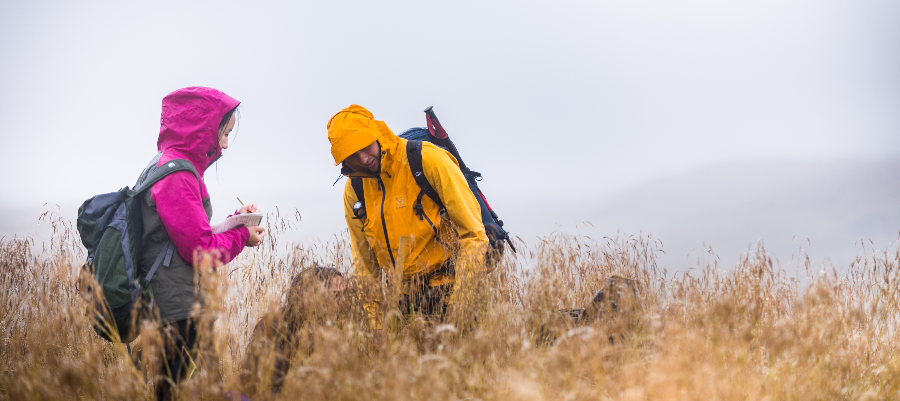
352	129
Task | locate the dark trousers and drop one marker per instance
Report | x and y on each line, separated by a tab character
180	338
427	301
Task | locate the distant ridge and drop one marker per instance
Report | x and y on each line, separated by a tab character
730	206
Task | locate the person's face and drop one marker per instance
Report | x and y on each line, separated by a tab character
223	137
337	286
336	283
367	159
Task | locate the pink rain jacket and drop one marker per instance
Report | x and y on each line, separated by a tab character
189	130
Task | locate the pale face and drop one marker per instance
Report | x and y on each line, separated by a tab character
367	159
336	284
223	137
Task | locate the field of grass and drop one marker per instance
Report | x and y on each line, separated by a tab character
749	330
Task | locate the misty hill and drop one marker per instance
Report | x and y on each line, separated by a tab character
730	206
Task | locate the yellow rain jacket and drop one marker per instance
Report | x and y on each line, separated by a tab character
389	199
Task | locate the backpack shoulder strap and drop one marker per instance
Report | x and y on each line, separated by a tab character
414	156
169	167
357	184
359	209
172	166
164	258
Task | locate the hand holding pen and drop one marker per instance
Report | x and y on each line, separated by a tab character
251	208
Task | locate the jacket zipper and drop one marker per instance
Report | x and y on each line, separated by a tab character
384	223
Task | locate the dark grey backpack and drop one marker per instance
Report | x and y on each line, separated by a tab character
111	228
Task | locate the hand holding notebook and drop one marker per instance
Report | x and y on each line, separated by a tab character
248	220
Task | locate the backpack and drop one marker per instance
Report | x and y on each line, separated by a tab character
436	134
111	228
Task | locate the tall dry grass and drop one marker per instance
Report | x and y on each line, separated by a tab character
750	331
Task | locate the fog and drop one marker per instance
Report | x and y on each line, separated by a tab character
701	122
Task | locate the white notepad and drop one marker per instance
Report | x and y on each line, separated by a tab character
249	220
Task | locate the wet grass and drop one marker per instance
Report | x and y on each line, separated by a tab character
743	332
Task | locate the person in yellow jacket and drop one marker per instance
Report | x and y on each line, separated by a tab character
437	256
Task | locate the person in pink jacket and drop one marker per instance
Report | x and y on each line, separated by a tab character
195	126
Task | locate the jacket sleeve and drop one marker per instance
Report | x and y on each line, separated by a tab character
443	173
364	261
180	207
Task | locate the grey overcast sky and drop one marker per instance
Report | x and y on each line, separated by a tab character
568	107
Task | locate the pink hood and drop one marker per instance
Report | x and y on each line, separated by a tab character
189	125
